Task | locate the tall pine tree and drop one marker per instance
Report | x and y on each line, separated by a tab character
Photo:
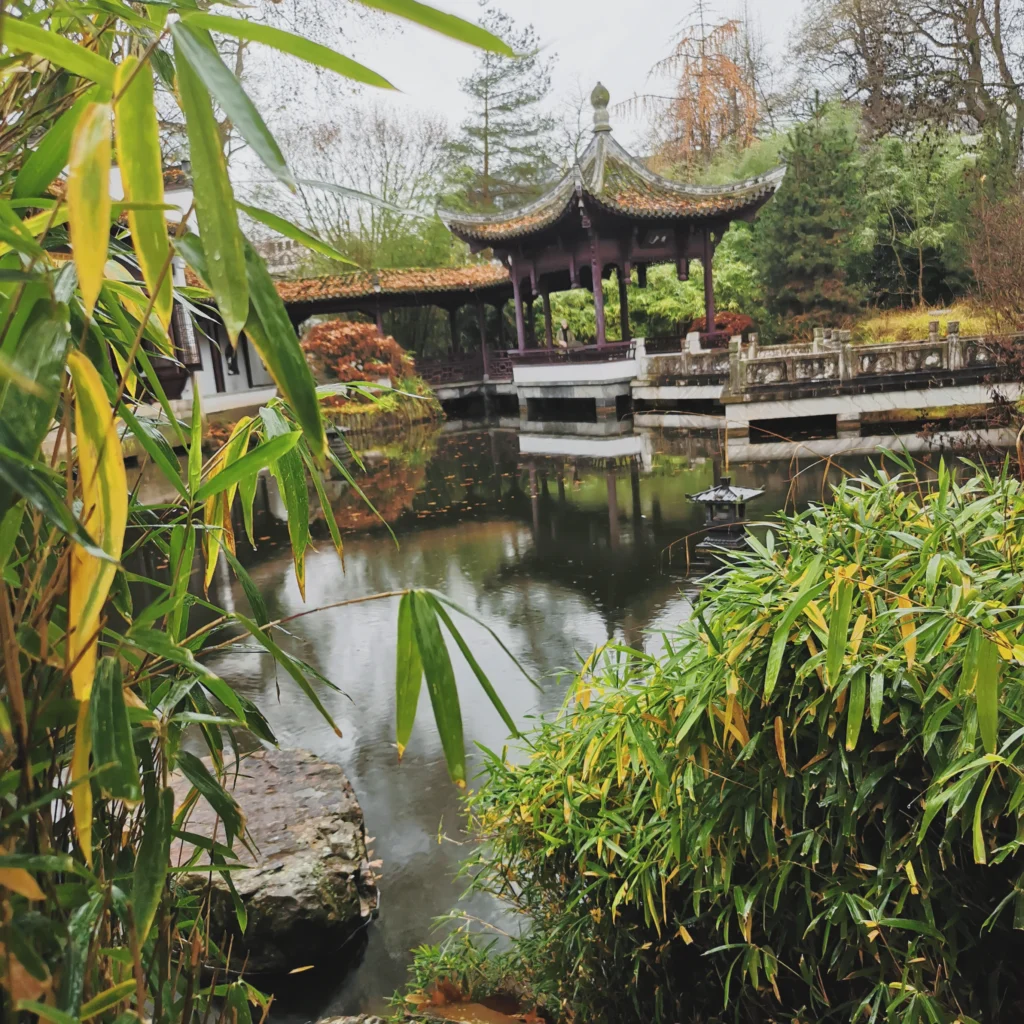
807	234
505	148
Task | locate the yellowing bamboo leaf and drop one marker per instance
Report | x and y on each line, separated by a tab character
20	881
104	515
858	633
780	743
141	164
217	508
81	795
814	614
907	629
88	199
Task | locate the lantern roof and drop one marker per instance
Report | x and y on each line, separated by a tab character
726	493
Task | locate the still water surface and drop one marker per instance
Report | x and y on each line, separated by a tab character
556	552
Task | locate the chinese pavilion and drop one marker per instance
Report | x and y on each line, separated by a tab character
609	213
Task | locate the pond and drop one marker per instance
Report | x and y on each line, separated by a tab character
559	544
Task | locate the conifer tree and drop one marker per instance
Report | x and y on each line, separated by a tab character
505	148
807	235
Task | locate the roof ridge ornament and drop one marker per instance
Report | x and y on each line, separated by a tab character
599	99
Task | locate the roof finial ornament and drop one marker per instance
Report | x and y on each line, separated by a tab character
599	99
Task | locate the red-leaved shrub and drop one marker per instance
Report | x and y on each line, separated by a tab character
339	350
726	322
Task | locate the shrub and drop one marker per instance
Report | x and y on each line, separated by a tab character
342	350
809	807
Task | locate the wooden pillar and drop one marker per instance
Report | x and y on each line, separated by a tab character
453	329
595	271
548	337
624	304
517	298
531	326
380	321
481	319
709	284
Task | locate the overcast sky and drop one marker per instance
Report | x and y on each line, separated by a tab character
614	41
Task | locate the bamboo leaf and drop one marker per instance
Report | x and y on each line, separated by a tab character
88	199
153	858
201	52
141	164
286	42
104	486
977	832
839	624
444	696
50	157
810	588
20	881
855	708
19	36
293	231
780	742
270	330
156	447
906	620
481	676
248	465
81	794
215	201
987	689
112	750
408	675
219	532
877	695
106	1000
222	802
447	24
195	444
287	470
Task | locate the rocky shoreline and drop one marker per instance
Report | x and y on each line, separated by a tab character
309	889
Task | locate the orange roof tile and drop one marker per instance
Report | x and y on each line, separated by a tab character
365	283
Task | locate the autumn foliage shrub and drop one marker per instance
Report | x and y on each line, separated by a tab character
726	322
339	350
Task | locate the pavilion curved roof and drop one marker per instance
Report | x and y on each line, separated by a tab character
371	283
609	178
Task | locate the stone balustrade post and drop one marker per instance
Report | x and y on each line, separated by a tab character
933	331
955	345
640	355
847	367
693	342
735	365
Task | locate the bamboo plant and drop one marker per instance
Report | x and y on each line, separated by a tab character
102	662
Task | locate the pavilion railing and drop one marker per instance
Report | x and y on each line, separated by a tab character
453	368
612	352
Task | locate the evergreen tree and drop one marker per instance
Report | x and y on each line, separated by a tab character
807	235
505	148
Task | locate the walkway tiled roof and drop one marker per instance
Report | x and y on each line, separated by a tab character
609	178
361	284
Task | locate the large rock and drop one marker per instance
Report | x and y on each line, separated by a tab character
309	888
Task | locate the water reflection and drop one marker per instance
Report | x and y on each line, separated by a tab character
558	544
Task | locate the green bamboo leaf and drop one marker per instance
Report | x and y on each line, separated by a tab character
76	953
152	860
444	696
810	589
492	694
10	527
971	661
977	832
877	695
252	592
332	524
408	674
293	231
287	470
156	446
215	201
141	164
987	690
201	52
112	750
249	464
838	629
855	708
447	24
19	36
38	358
50	157
290	666
286	42
274	337
222	802
195	444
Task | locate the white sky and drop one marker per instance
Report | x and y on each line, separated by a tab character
614	41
